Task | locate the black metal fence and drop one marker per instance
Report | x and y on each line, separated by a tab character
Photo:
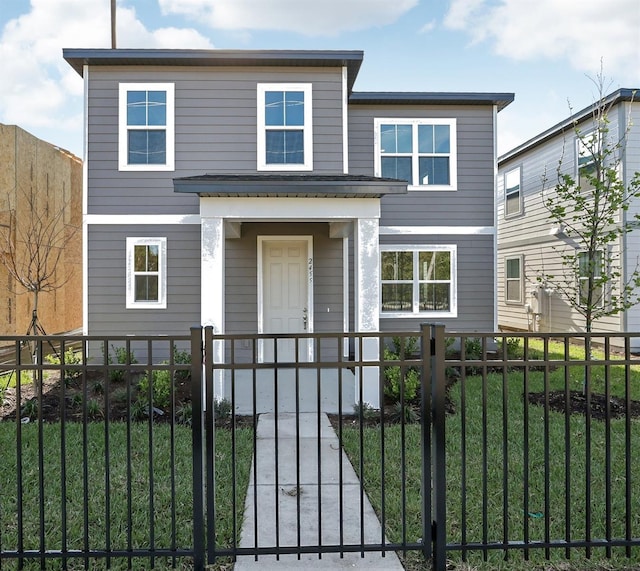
166	452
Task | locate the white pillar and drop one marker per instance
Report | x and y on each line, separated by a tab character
367	303
212	289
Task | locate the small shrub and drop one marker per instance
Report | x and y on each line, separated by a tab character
181	358
449	351
160	389
94	409
473	348
70	357
410	345
30	409
98	388
119	395
222	409
394	379
185	414
76	400
406	414
122	357
139	410
365	410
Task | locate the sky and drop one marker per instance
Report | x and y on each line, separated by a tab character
548	52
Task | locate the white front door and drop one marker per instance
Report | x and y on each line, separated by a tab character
285	295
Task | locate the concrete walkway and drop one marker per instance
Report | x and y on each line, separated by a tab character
306	505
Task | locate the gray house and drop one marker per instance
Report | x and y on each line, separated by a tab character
256	191
529	244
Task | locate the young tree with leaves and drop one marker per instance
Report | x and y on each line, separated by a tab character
592	213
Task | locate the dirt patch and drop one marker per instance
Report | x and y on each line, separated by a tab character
579	404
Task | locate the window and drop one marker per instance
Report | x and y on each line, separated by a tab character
420	151
285	127
419	281
586	152
586	268
512	193
146	273
146	127
513	279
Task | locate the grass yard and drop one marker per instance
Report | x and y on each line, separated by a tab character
86	485
504	490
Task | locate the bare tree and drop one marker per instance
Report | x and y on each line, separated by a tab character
34	240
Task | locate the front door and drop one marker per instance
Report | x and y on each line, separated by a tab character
285	295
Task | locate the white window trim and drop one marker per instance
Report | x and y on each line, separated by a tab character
162	271
453	250
123	150
506	194
520	278
453	154
306	88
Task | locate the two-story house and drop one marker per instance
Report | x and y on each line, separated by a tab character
530	244
256	191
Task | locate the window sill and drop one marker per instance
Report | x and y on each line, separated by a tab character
420	315
428	188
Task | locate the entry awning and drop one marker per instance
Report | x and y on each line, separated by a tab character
289	185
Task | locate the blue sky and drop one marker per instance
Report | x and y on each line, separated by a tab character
544	51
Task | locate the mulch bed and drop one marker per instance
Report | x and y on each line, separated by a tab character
578	404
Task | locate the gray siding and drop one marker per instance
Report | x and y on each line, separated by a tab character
107	281
242	282
472	204
216	131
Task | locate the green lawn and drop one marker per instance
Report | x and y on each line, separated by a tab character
478	498
85	488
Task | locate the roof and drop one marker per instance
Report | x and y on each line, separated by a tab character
351	59
431	98
287	185
618	96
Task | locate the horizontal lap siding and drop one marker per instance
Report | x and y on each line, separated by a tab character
107	281
529	233
216	131
241	275
472	204
475	284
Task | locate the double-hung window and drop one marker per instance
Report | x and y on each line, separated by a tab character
512	192
146	273
418	281
146	127
513	279
587	149
421	151
591	267
285	135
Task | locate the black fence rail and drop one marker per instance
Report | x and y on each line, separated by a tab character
95	457
139	452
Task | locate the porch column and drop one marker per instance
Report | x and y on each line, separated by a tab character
367	303
212	289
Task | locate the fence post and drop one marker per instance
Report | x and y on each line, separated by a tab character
436	413
197	422
425	429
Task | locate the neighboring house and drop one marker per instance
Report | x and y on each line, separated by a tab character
527	237
255	191
53	176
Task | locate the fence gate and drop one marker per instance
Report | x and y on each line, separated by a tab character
304	494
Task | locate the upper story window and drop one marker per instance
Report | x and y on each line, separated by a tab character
285	135
146	273
421	151
418	281
587	148
146	127
512	192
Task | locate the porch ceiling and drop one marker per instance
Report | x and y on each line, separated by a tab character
285	185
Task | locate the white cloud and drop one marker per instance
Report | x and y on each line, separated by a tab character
581	32
38	89
308	17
